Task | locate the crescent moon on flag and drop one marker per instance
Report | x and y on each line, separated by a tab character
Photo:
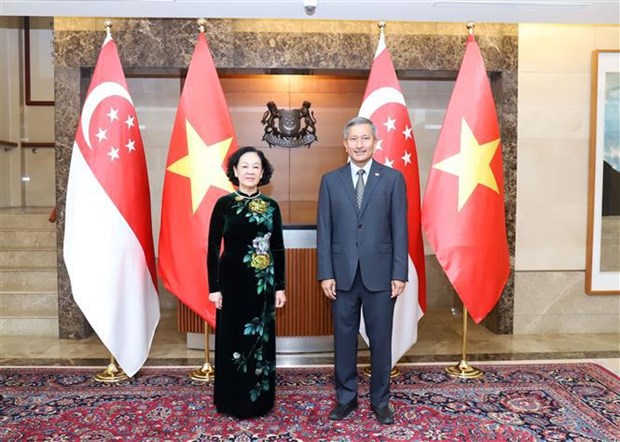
380	97
96	96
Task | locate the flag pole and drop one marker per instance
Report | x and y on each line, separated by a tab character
463	370
367	370
112	373
205	373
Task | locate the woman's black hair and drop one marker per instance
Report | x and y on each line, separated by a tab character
233	161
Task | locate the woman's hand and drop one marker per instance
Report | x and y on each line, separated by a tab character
216	298
280	299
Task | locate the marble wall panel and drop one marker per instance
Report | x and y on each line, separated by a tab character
554	302
276	45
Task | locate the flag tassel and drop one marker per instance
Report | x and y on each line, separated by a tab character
112	373
463	370
205	373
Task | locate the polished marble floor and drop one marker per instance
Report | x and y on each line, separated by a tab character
440	341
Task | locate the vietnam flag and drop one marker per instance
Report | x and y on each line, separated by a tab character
385	106
202	138
463	210
108	244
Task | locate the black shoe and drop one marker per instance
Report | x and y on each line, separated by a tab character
343	410
384	415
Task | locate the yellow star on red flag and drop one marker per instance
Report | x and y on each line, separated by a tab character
202	165
472	164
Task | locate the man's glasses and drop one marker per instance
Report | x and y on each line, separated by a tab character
354	140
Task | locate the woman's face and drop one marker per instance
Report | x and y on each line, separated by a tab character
249	170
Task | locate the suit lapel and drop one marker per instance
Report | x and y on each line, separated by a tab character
347	184
371	184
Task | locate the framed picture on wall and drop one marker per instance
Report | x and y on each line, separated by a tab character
38	61
603	237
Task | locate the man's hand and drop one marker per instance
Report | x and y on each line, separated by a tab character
329	288
397	287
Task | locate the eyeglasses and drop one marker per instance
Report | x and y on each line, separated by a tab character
365	140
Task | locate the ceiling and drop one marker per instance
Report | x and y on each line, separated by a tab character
502	11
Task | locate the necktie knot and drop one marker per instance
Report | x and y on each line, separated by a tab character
359	187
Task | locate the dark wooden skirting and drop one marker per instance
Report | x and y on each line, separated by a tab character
307	311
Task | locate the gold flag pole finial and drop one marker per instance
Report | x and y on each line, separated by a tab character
202	23
470	27
381	25
206	373
108	28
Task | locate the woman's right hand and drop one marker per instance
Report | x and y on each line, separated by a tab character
216	298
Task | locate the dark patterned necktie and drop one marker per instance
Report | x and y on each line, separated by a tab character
359	187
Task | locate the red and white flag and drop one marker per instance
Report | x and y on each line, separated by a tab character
202	138
463	212
385	106
108	244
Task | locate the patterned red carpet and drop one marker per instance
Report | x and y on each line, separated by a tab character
554	402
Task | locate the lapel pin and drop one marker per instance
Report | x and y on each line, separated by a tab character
376	173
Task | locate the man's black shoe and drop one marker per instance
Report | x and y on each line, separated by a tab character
384	415
343	410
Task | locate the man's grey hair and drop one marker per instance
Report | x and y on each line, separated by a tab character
357	121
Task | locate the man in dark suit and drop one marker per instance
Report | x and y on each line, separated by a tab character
362	260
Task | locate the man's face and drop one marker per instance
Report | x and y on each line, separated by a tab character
360	144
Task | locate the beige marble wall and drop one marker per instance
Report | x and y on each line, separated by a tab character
40	187
554	302
552	184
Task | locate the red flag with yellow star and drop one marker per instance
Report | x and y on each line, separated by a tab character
463	210
202	138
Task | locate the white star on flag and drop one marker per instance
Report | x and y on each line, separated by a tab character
102	135
130	145
113	114
113	153
129	121
384	105
378	146
406	158
390	124
407	132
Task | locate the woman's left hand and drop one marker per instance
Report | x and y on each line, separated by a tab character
280	299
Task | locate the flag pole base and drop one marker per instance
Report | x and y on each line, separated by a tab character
393	374
203	374
111	374
464	371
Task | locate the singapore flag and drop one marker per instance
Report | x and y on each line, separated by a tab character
108	244
385	106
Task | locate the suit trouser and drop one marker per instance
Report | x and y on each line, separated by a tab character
378	314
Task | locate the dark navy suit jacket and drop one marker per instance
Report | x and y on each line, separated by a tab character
375	235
